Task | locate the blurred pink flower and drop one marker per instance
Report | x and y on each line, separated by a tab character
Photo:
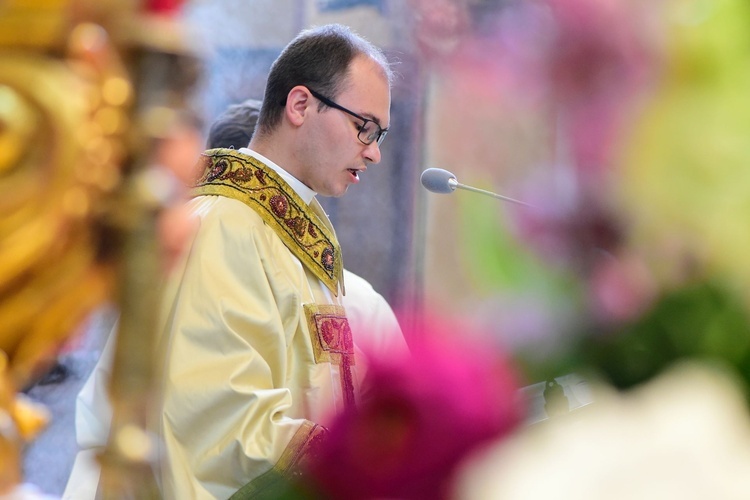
597	59
595	46
567	225
621	289
439	25
420	416
583	62
164	6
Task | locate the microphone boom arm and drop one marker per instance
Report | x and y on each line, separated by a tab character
453	183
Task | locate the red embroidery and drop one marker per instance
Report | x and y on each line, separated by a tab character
242	175
332	342
217	170
279	205
327	259
298	225
261	176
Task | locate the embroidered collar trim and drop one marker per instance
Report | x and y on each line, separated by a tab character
225	172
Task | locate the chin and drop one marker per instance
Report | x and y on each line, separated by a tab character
337	193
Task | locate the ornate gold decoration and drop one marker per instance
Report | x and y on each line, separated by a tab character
62	128
64	98
226	172
77	98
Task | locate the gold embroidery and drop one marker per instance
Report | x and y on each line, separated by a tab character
332	342
226	172
303	445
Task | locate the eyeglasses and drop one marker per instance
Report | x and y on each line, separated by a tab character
369	131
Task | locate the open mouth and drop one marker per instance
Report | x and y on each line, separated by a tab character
354	173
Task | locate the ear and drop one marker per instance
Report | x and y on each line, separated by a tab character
298	101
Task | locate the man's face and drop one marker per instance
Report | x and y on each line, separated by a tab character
335	157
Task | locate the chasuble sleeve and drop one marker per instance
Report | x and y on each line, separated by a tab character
230	321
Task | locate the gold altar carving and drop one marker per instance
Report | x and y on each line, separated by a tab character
84	98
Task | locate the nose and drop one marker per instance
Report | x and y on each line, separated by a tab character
372	153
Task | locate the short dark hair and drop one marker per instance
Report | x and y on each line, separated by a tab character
318	58
235	126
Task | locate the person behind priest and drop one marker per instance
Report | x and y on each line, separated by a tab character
234	127
258	346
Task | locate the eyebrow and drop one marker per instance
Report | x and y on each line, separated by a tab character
358	114
373	118
369	116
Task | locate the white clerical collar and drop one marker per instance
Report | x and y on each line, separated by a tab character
302	191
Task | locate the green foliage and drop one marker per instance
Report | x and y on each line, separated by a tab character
703	321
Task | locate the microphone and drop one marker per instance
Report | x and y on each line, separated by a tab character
438	180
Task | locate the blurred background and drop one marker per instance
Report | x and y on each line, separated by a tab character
622	124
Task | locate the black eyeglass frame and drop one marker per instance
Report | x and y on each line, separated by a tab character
379	136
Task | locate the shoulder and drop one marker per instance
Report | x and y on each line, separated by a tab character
222	212
225	223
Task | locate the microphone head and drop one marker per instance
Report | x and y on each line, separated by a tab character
438	180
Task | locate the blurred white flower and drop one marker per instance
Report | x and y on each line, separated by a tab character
683	435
